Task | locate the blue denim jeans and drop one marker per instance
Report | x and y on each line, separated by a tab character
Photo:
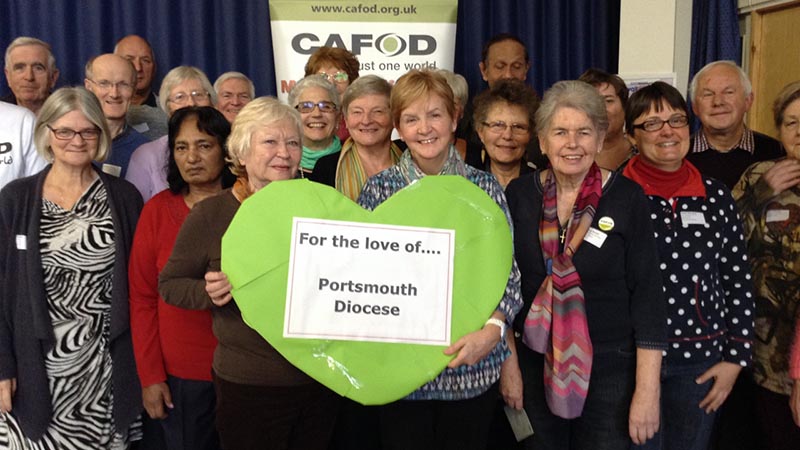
684	425
603	424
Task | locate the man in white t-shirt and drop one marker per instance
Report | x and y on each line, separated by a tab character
18	156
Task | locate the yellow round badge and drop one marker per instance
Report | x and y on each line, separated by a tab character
606	223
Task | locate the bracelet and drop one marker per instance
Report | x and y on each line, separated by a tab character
499	323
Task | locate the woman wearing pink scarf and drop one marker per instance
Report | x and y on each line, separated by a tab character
589	339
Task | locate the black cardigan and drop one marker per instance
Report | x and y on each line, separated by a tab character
26	333
621	280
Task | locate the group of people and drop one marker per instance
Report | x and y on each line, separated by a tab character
641	288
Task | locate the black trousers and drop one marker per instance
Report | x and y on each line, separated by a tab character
274	417
190	424
438	424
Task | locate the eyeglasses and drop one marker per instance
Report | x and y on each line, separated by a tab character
307	107
677	121
181	97
501	127
108	85
66	134
338	77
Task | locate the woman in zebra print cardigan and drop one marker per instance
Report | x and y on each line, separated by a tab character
65	235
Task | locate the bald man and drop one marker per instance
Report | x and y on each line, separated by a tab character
144	114
137	50
112	79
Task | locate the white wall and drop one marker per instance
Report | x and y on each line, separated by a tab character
655	39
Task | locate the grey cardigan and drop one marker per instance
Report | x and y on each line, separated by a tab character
26	333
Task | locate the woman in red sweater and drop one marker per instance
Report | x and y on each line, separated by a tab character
174	346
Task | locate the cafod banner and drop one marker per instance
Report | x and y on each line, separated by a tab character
389	38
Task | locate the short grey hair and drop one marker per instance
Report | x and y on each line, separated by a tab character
178	75
260	112
366	85
743	78
572	94
26	40
314	81
458	85
61	102
235	75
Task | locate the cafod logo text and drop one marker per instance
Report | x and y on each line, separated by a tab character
390	44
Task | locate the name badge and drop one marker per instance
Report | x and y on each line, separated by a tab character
22	242
595	237
112	169
693	218
777	215
141	127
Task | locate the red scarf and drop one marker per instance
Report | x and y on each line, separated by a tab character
684	182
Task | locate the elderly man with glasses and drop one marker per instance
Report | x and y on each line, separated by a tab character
112	80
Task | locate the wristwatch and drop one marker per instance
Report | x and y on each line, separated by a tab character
499	323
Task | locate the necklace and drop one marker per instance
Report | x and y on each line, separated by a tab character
563	233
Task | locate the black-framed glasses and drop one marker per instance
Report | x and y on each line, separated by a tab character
676	121
501	127
181	97
66	134
338	77
324	106
108	85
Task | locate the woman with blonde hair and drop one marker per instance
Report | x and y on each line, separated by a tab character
262	399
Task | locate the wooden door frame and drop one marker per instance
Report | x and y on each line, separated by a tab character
756	38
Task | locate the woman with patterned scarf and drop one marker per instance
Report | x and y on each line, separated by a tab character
453	411
707	282
588	350
369	149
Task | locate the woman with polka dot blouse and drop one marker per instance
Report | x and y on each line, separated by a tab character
704	266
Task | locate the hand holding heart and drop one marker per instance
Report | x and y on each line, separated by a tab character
255	257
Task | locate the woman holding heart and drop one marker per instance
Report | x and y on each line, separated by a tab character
588	349
262	399
423	112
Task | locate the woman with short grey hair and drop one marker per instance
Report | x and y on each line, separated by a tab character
67	371
369	149
591	333
318	102
182	86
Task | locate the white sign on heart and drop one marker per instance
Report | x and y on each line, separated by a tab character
369	282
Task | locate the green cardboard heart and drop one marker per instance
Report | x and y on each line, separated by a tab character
255	256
